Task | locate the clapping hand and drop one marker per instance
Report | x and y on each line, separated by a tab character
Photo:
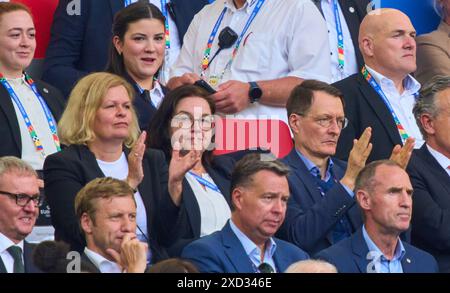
401	155
135	170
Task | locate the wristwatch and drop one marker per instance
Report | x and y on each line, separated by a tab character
255	92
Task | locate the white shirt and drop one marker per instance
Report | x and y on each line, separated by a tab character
350	63
103	265
7	259
402	103
119	170
443	161
175	45
214	209
39	121
156	93
286	38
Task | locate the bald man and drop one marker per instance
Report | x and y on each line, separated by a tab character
383	93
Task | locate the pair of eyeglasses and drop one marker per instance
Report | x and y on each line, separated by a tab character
186	121
327	121
23	199
265	268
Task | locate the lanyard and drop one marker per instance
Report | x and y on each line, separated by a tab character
380	92
30	127
166	16
340	35
204	182
206	55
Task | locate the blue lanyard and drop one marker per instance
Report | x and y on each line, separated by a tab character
380	92
340	35
244	31
50	120
205	182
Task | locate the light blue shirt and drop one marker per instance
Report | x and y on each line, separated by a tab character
253	251
381	263
315	171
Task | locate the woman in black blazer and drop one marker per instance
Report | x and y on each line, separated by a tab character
100	128
185	120
137	54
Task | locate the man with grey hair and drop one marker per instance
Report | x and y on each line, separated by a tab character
259	193
19	208
311	266
429	170
384	194
433	49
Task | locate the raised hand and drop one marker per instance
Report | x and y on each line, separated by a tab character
401	155
357	158
179	165
135	170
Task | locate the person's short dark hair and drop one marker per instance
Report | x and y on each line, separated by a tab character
365	179
426	104
122	20
302	96
159	129
51	257
251	164
173	265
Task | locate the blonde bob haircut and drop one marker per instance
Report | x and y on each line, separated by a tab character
77	121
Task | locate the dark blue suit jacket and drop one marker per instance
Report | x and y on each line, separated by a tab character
189	218
310	217
79	44
431	207
29	265
222	252
350	256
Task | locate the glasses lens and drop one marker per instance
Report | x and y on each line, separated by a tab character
265	268
23	199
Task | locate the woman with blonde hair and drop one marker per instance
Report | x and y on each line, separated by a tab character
100	128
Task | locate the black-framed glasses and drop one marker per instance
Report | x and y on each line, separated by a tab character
327	121
186	121
265	268
23	199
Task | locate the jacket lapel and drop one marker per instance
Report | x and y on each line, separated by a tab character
7	107
235	251
2	267
380	109
359	250
434	167
192	208
53	103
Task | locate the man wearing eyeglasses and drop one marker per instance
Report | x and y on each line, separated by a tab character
322	208
19	208
259	192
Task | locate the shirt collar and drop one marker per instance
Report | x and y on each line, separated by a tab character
399	249
249	246
248	5
411	85
442	160
5	243
103	264
312	168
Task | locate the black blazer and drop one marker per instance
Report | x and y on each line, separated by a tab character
354	12
188	223
363	108
70	170
30	268
9	124
431	208
79	44
310	217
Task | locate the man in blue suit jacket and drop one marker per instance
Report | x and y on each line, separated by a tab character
321	210
79	43
384	193
430	174
246	244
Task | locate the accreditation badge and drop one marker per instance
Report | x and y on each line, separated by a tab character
214	81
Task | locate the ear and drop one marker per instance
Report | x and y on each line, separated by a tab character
118	44
293	123
86	223
366	46
427	123
237	197
363	199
